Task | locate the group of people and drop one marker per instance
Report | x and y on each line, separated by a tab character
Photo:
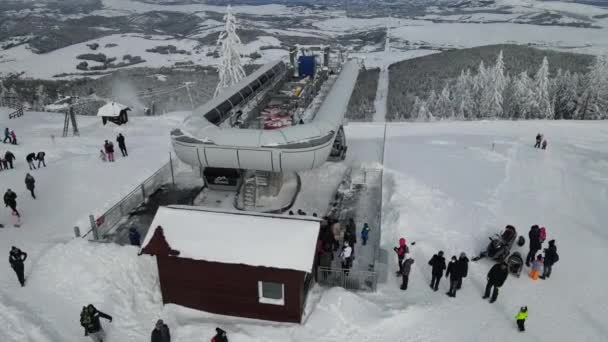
107	153
10	136
541	266
31	157
541	142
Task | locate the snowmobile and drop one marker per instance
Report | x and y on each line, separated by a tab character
515	263
500	245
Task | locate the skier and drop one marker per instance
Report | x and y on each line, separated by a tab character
29	184
539	138
102	156
544	144
551	257
535	244
134	236
121	144
405	272
455	273
496	278
365	234
9	157
401	251
89	320
346	256
10	200
521	318
14	137
7	135
463	260
30	160
40	158
437	262
220	336
536	266
161	332
16	258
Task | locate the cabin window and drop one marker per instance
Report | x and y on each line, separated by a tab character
271	293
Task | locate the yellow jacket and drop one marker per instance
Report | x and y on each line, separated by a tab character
521	315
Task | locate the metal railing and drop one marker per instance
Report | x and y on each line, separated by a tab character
103	224
348	279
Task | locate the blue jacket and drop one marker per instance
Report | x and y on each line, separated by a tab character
134	237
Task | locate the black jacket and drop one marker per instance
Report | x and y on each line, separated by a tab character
161	335
40	155
407	267
120	140
551	256
110	148
90	320
9	156
498	275
30	157
16	257
534	236
463	264
29	182
438	264
454	270
10	199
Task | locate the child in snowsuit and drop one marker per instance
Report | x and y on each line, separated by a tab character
521	318
365	233
405	272
346	256
539	137
401	251
14	137
102	156
537	266
134	236
437	262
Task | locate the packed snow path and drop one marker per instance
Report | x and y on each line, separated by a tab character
380	102
445	188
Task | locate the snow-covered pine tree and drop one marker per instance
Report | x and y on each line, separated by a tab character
508	99
424	114
564	94
230	69
543	108
495	85
479	86
444	107
463	96
524	99
431	103
415	108
594	101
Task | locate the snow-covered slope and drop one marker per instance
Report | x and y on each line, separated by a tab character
447	186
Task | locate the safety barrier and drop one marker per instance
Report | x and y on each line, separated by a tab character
348	279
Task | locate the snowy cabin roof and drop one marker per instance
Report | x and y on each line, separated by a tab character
111	109
234	237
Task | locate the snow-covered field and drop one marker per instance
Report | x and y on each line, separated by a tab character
445	188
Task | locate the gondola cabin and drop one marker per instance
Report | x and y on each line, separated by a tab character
234	263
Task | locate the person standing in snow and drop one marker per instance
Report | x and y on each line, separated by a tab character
551	257
336	230
29	184
109	149
161	332
121	144
220	336
536	267
9	157
455	273
496	278
16	258
406	267
134	236
351	229
544	147
535	245
365	234
437	263
539	138
7	135
401	251
30	160
521	318
346	257
10	200
463	262
14	137
89	320
40	157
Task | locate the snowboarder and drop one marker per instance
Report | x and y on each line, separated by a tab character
551	257
405	272
536	267
437	263
220	336
539	138
463	260
134	236
89	320
102	156
7	135
496	278
29	184
121	144
365	234
161	332
535	244
544	144
14	137
521	318
401	251
40	158
9	157
346	257
10	200
30	160
455	273
16	258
